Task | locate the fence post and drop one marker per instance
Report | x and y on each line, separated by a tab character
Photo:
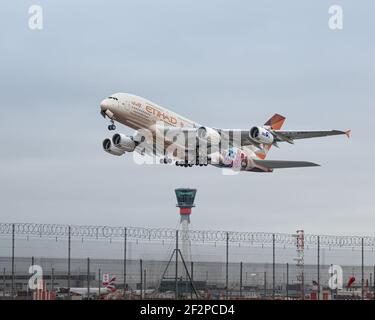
369	283
69	244
125	244
100	280
176	275
227	268
318	268
331	274
192	278
265	284
241	279
141	274
287	280
13	229
145	282
273	266
88	278
52	279
4	282
362	270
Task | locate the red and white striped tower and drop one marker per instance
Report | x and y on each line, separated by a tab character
185	201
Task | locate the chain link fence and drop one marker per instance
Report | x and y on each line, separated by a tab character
148	263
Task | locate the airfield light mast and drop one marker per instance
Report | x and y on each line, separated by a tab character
185	201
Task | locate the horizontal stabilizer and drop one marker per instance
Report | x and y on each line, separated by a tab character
281	164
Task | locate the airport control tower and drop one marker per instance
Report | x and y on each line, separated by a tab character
185	201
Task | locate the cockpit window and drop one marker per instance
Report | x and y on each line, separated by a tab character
113	98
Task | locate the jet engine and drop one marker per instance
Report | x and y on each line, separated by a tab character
261	135
208	134
123	142
110	148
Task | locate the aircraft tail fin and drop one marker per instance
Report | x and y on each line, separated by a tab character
109	283
275	122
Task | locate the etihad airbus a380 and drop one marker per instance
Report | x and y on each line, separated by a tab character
187	143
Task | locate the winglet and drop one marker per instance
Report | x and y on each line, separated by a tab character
348	133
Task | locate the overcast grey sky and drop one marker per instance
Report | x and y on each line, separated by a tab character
222	63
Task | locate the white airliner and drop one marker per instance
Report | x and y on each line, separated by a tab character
108	287
163	133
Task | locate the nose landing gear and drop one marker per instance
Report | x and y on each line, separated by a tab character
112	126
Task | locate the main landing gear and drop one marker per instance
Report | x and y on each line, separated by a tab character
165	160
190	163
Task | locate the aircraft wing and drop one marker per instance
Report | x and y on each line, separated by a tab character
282	164
185	138
241	137
289	136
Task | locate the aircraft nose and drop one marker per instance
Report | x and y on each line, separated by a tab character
104	105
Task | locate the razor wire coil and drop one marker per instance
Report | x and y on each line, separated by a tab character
169	234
